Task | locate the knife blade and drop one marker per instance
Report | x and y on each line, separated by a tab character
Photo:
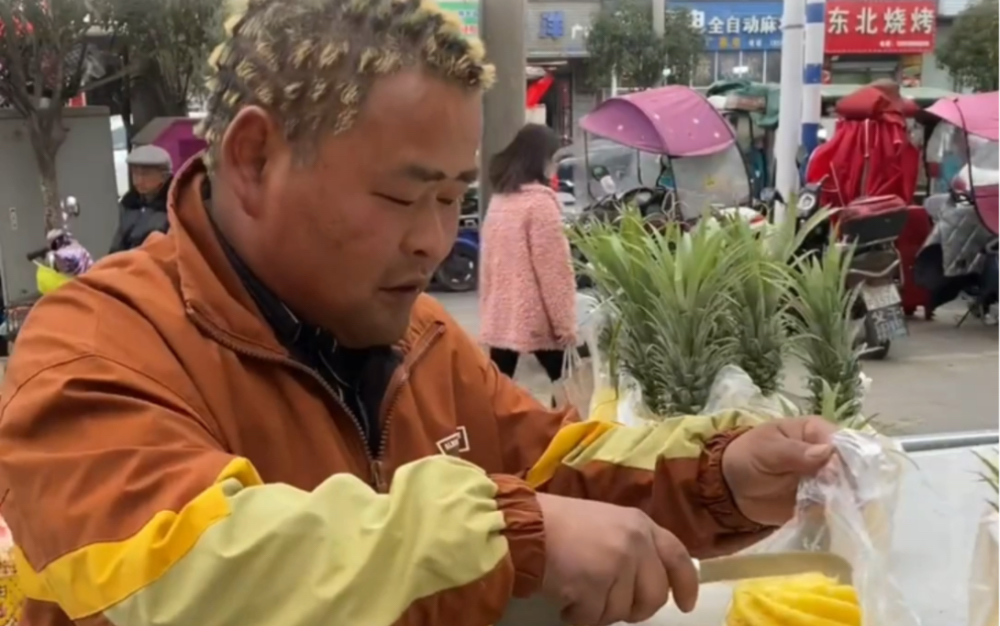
743	567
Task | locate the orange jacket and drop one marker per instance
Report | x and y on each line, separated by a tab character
166	462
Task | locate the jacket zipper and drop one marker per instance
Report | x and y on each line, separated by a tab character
400	376
375	464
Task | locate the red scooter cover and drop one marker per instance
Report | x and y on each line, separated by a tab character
870	153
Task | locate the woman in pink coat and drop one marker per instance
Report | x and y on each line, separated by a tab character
527	291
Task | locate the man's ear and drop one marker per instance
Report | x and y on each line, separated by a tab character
247	145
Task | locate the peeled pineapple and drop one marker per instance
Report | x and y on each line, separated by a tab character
805	600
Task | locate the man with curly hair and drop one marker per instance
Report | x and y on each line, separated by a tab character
257	419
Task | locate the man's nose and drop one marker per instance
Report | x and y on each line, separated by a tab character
432	234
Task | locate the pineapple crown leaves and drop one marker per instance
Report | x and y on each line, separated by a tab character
990	474
824	331
671	292
833	407
759	321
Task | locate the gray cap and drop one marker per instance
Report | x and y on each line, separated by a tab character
150	156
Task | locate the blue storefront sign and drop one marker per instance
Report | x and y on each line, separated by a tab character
735	25
558	29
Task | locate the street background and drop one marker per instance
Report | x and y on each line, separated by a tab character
940	379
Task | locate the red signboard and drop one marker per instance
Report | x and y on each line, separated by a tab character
880	26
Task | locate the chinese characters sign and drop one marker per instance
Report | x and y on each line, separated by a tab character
558	29
735	25
890	27
468	10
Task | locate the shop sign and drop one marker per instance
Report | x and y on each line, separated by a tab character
735	25
468	10
885	27
558	29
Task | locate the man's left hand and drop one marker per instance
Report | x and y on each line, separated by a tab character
763	467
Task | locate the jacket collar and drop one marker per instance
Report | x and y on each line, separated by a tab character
211	287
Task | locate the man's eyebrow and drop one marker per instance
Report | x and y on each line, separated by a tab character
426	175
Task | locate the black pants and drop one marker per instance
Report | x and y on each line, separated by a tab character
551	360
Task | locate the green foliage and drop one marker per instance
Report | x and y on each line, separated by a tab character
990	474
683	45
43	55
622	41
970	52
169	41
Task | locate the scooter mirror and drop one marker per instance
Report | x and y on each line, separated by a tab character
807	202
599	172
770	195
71	206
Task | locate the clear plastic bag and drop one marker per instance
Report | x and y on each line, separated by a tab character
983	587
733	389
835	513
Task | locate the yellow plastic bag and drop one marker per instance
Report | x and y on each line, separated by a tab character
48	280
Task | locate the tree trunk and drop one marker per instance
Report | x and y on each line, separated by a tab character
50	193
48	135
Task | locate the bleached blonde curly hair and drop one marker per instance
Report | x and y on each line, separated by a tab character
311	62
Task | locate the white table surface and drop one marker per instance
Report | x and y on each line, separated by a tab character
940	506
936	528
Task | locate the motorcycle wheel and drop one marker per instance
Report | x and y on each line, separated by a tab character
459	271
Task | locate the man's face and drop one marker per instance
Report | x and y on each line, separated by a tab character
147	180
351	238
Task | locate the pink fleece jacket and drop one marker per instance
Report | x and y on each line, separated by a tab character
527	291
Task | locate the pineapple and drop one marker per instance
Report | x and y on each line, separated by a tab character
759	317
669	296
826	335
804	600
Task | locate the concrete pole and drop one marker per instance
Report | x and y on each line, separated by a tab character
659	9
790	103
812	88
659	27
501	26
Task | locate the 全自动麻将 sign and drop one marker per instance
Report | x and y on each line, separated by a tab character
468	10
885	27
735	25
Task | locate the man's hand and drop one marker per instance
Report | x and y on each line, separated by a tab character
763	466
608	564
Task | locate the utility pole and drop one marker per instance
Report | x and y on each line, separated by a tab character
790	102
501	26
659	11
659	27
812	77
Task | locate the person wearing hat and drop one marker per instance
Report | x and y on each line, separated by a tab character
144	206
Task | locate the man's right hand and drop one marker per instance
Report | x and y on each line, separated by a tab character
608	564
